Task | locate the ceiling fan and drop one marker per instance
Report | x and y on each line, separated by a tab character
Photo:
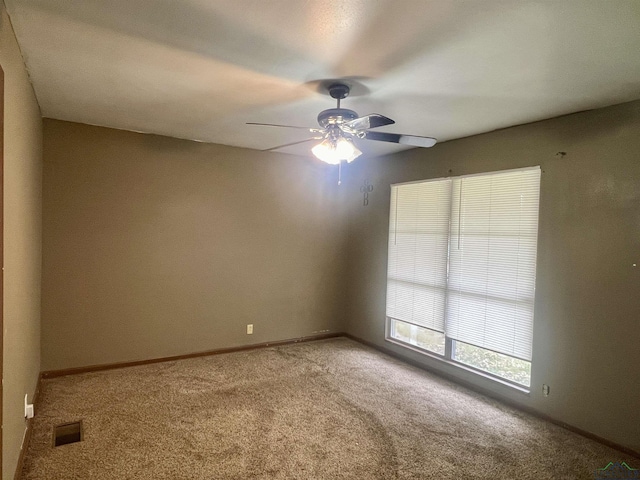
340	126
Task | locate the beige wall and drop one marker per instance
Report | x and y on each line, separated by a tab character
587	319
22	244
155	247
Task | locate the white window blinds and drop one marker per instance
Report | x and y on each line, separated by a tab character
418	245
483	229
492	262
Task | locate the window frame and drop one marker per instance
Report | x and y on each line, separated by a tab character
452	362
449	343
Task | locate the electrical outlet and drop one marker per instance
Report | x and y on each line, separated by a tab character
250	329
545	390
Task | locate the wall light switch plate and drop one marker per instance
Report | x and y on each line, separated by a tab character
250	329
28	408
545	390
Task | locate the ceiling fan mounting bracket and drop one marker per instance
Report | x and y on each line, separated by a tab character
339	91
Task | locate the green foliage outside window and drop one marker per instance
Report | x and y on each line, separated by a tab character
418	336
503	366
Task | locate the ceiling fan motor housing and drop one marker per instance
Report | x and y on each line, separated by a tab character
335	116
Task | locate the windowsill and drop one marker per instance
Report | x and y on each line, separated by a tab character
518	388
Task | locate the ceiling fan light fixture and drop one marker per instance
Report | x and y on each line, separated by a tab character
335	151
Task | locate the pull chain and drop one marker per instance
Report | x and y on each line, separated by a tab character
340	173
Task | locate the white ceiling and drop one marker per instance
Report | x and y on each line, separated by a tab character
201	69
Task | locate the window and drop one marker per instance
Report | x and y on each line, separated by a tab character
462	267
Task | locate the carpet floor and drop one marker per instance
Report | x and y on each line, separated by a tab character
331	409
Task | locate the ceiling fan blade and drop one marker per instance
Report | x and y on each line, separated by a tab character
308	129
369	121
289	144
413	140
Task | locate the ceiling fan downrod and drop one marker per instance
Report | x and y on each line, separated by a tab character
337	116
339	91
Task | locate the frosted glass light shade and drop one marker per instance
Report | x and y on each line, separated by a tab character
333	152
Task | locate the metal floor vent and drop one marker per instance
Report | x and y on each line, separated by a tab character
67	433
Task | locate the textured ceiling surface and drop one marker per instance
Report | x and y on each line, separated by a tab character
201	69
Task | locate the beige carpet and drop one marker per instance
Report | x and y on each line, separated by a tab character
331	409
